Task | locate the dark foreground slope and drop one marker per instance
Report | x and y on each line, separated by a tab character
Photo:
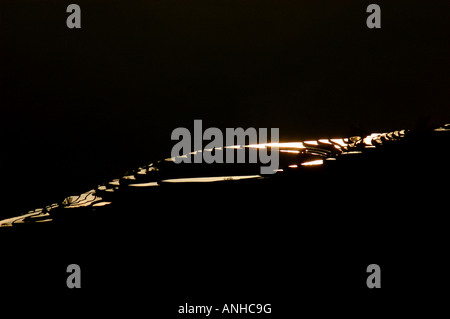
300	239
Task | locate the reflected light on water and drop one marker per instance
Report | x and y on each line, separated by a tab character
368	139
101	204
311	143
144	184
257	146
308	154
313	163
115	182
353	152
339	141
210	179
10	221
279	145
287	145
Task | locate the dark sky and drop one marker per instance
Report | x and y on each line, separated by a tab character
76	105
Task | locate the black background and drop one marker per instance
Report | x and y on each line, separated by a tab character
80	106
